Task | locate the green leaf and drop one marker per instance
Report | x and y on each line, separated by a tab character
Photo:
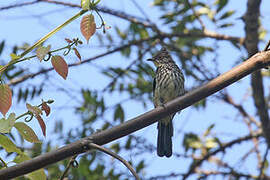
120	33
14	56
128	143
85	4
192	140
119	113
8	145
38	174
221	4
226	25
27	133
2	45
7	124
21	158
115	147
140	166
208	130
227	14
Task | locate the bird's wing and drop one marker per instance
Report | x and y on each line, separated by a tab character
154	87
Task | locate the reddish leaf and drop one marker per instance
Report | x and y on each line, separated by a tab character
77	54
68	40
60	66
88	26
42	124
5	98
46	108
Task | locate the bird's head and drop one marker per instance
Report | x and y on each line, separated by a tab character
161	58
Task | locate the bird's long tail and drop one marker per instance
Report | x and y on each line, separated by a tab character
164	144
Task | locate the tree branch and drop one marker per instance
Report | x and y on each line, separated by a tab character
116	156
251	19
259	60
147	23
19	5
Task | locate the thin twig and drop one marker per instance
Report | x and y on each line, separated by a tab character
263	163
70	163
116	156
196	15
19	5
267	46
141	10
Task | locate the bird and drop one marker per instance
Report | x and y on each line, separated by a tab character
168	84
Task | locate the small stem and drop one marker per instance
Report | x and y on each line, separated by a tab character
102	21
68	167
5	164
30	57
24	114
47	36
28	112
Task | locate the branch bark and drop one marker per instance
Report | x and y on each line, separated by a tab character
259	60
251	19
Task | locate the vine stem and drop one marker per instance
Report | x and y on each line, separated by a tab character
47	36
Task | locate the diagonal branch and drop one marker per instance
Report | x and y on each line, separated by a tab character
259	60
117	13
116	156
19	5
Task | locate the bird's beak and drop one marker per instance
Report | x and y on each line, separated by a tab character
150	59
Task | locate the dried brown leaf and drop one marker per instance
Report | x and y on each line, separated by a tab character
5	98
60	66
45	108
88	26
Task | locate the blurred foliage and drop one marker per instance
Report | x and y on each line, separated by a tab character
135	84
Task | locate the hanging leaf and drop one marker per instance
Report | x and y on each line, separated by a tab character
26	132
37	112
77	54
60	66
46	108
42	52
5	98
88	26
68	40
42	124
7	124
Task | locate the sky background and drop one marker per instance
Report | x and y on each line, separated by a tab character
29	23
